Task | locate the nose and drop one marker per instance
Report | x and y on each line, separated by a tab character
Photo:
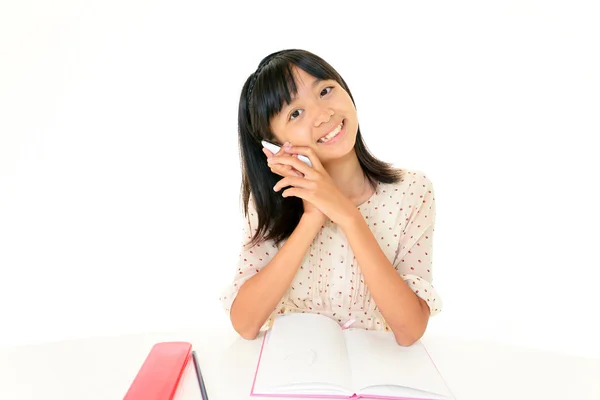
324	115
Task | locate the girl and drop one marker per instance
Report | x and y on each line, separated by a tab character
349	237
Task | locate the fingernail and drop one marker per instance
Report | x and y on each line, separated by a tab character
269	159
287	144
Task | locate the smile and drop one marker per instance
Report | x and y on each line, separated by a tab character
333	134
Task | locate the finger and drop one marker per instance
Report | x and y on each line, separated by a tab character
283	170
282	151
308	152
292	172
295	163
287	170
267	152
293	181
295	192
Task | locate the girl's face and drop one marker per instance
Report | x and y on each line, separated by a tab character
315	116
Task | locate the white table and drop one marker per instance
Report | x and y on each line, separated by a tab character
103	368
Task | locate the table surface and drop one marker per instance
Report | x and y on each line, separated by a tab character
103	368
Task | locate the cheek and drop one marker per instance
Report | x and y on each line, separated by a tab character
279	135
349	104
300	135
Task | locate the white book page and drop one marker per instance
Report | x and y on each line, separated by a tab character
301	351
377	360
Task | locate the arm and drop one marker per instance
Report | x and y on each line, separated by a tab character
402	308
259	295
406	313
402	290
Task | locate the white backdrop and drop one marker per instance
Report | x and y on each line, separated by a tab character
119	168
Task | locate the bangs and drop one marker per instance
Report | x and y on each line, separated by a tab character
274	87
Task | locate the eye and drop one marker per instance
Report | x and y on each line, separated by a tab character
296	113
324	90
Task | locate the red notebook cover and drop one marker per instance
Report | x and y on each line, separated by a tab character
161	372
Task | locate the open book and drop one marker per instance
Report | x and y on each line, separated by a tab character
309	355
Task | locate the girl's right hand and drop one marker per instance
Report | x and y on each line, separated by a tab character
287	170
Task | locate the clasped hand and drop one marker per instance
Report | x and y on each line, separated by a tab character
315	186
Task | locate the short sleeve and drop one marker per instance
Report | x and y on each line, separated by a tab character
414	255
251	260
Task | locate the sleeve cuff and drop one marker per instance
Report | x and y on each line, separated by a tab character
426	291
228	296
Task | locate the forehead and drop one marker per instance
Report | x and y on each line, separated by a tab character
302	78
304	83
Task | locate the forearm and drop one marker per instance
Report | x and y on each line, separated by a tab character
406	314
259	295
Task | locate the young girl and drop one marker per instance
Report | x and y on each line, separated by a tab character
349	237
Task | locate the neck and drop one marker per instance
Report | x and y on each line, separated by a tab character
349	178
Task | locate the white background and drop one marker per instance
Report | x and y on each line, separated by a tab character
119	168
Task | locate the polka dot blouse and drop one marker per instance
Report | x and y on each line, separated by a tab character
329	280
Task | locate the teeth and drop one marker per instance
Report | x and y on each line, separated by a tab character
332	134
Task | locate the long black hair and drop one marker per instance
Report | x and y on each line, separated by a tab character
263	96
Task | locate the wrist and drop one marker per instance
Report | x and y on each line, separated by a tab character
314	218
351	218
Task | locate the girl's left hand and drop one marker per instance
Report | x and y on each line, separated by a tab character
316	186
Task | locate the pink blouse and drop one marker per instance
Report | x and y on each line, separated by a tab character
329	280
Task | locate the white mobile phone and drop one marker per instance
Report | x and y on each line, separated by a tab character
274	149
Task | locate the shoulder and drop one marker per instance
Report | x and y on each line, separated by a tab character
413	191
418	178
411	179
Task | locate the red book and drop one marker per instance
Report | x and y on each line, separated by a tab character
161	373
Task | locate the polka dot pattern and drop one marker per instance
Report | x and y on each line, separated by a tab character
329	281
